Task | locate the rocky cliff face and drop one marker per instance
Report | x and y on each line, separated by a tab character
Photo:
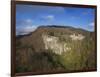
53	43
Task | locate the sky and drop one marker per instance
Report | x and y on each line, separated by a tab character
29	17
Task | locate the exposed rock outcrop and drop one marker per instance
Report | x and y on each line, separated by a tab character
52	42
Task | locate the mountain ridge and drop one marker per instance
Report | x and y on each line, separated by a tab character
52	27
55	48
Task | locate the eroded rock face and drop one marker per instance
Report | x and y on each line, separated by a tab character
77	37
52	42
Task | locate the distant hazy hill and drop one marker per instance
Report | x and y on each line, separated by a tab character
53	47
